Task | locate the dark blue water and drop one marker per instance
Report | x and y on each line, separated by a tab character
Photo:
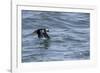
69	36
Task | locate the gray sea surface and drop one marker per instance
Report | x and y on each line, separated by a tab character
69	36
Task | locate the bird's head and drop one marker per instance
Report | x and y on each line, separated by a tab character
47	30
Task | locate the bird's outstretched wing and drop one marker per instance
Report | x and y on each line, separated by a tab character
34	32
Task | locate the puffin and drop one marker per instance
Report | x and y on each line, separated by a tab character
42	33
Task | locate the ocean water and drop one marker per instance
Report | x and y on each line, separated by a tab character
69	36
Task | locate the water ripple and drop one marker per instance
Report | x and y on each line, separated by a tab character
69	33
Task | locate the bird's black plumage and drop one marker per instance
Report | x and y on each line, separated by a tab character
42	33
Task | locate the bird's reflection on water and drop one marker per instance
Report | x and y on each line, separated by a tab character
42	48
45	43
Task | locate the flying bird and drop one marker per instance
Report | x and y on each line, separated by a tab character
42	33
